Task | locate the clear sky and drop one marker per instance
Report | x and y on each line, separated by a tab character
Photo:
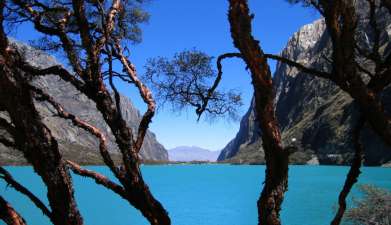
177	25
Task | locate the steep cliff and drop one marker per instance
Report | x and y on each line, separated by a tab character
313	111
76	144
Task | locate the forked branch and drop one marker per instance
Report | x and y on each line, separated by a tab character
145	94
82	124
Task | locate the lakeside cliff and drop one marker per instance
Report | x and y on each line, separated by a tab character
312	111
75	143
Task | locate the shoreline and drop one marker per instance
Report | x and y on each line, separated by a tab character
180	163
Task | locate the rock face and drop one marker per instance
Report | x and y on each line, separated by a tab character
313	111
192	153
76	144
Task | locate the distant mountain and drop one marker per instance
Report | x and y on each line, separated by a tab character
76	144
314	111
192	153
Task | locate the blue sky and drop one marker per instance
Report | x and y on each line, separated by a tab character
176	25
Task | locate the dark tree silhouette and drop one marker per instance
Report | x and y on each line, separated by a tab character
276	156
184	81
9	215
91	35
183	84
349	73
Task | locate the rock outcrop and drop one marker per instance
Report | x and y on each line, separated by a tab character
76	144
312	111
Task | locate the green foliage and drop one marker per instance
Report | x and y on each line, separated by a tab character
373	209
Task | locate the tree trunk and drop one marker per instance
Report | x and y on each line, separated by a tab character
37	144
138	192
276	180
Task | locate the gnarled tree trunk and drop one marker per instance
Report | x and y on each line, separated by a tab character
276	180
38	145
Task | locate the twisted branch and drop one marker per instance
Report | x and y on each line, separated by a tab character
98	178
7	177
82	124
145	93
9	214
353	173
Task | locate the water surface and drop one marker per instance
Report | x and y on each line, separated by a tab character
204	194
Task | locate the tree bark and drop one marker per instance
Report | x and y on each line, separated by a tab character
138	193
37	144
276	180
353	173
9	214
341	21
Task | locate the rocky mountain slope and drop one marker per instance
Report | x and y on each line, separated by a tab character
192	153
76	144
313	111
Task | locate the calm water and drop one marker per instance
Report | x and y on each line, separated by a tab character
204	194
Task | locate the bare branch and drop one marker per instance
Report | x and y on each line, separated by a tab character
145	93
212	89
98	178
354	171
87	40
58	30
299	66
7	177
82	124
56	70
108	23
9	214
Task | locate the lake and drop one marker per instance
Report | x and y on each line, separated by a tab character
204	194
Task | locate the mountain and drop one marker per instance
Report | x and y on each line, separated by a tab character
314	111
193	153
76	144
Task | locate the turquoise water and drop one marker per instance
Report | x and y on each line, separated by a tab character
204	194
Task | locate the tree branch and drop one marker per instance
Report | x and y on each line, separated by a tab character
353	173
82	124
212	89
145	93
56	70
9	214
7	177
98	178
299	66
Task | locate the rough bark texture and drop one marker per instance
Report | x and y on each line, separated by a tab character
276	156
34	139
9	215
7	177
314	110
341	19
38	146
353	173
89	80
